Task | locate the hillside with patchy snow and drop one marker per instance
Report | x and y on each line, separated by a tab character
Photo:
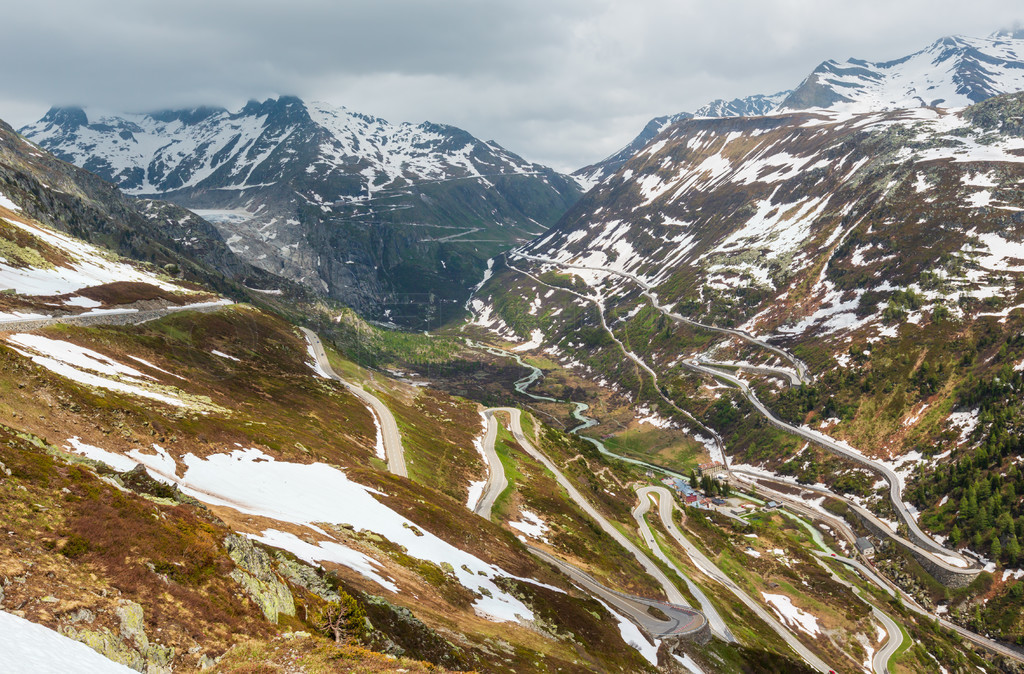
381	216
48	274
953	72
885	250
806	223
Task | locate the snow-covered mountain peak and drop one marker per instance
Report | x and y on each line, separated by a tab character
206	147
952	72
716	211
751	106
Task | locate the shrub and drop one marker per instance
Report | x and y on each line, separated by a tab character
341	619
75	547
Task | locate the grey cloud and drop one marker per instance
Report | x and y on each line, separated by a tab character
564	82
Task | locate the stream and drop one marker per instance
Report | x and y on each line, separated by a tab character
521	386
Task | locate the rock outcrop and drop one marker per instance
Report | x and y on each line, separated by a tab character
255	573
129	646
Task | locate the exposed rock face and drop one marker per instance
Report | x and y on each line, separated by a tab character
256	575
307	577
75	201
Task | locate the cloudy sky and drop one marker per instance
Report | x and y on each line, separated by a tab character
562	82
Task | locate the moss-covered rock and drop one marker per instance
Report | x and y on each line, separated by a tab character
131	646
133	624
109	645
255	573
306	577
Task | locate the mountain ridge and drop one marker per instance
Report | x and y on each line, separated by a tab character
395	220
975	69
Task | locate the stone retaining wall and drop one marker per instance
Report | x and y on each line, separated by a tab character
946	576
699	637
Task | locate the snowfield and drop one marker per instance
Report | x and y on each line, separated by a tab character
315	495
28	647
91	368
89	266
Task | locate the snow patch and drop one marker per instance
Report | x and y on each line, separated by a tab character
224	355
536	339
792	615
310	495
532	525
88	367
30	647
632	635
89	266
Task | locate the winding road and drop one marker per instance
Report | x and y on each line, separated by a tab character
648	292
718	626
798	506
921	541
841	526
496	480
801	370
894	635
924	543
681	620
668	587
110	316
392	439
791	376
666	503
885	584
880	661
638	361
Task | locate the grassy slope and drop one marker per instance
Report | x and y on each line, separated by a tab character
271	400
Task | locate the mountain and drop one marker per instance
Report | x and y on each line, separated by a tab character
193	484
751	106
953	72
186	484
395	220
739	107
884	249
720	209
594	173
950	73
199	485
79	203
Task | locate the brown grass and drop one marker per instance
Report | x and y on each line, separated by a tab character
186	596
126	292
